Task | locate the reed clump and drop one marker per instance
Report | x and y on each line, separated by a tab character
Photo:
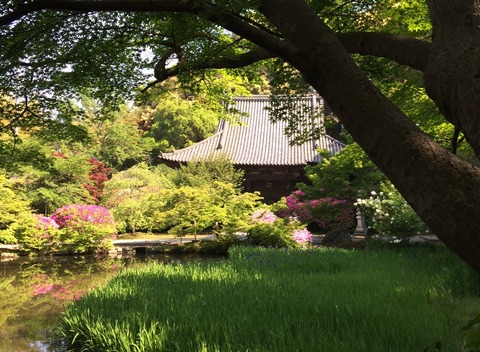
281	300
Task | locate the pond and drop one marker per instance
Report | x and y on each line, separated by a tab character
34	292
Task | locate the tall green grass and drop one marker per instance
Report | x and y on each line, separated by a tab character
278	300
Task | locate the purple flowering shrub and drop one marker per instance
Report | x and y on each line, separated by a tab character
72	228
84	227
269	230
328	213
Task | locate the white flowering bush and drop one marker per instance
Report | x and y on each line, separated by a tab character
387	213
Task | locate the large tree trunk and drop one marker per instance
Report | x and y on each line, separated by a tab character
452	76
443	189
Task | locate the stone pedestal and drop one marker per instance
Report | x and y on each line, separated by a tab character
361	229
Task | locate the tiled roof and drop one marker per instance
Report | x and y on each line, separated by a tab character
258	141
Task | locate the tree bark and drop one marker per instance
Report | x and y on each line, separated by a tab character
452	77
443	189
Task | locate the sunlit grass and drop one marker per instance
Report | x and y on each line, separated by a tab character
277	300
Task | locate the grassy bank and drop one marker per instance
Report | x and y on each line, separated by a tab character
277	300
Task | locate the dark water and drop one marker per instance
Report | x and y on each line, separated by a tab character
34	292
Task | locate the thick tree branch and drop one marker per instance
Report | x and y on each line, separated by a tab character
162	72
404	50
24	9
452	78
230	21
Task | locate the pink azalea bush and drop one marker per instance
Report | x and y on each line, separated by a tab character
302	236
45	226
269	230
76	215
84	227
264	216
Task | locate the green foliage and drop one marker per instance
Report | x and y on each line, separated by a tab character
128	192
116	138
268	230
188	210
348	173
62	184
472	335
208	197
278	234
177	123
13	211
20	117
209	170
236	209
36	233
26	152
217	207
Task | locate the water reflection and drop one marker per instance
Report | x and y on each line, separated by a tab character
34	291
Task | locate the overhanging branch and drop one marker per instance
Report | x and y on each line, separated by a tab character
404	50
162	72
24	9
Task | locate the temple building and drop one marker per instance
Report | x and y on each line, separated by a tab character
272	165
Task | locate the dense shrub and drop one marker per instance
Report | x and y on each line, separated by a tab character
127	194
36	233
328	213
268	230
389	214
83	227
12	209
216	207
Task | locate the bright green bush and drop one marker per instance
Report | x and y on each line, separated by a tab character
217	207
12	210
36	233
268	235
128	194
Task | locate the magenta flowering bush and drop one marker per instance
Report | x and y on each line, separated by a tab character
84	227
45	226
329	213
76	215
